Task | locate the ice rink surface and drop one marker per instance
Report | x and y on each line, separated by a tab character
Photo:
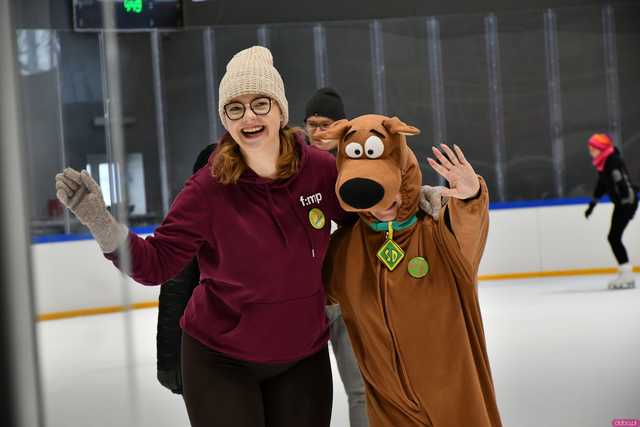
564	352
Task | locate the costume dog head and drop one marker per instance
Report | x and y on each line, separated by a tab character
375	164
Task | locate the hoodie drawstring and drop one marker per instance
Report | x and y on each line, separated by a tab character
273	216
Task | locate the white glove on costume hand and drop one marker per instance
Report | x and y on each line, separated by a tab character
82	195
431	200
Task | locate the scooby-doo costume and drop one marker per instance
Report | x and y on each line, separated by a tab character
414	320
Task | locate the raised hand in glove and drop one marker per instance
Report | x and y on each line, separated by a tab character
82	195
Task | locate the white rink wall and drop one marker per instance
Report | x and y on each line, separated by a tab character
74	275
552	239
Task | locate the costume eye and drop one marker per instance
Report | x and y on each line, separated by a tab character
354	150
374	147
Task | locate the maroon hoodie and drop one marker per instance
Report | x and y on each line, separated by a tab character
261	296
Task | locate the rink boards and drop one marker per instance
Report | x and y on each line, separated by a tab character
73	278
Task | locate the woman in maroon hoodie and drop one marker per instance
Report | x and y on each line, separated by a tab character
254	349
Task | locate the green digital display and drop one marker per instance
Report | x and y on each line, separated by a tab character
127	14
133	6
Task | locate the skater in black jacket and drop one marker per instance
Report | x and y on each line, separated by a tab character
613	180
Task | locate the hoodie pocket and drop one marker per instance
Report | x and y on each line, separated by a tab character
279	331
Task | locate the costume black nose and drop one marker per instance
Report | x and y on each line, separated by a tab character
361	193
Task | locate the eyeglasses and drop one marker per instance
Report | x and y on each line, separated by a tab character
322	126
260	107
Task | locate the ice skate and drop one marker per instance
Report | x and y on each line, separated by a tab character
624	280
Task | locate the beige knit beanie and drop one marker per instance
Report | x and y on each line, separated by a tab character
251	71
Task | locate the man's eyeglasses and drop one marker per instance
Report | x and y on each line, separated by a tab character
260	107
322	126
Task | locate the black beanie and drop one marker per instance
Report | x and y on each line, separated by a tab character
327	103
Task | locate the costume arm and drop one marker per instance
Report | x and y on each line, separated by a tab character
468	221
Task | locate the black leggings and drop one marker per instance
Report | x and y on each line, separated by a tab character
223	392
622	214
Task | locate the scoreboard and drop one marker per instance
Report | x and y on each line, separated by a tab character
129	14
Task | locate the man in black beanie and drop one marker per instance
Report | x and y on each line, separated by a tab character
324	108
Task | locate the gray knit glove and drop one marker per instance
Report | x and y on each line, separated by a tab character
82	195
431	200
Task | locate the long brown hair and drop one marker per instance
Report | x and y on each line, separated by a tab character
228	164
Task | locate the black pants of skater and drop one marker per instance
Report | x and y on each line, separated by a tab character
622	214
223	392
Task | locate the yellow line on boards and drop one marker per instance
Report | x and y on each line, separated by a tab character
94	311
152	304
559	273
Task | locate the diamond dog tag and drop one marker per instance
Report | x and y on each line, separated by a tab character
390	253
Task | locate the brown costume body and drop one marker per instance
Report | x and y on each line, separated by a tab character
419	342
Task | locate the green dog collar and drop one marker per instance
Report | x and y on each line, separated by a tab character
397	226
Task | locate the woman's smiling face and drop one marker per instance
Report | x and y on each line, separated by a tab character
253	130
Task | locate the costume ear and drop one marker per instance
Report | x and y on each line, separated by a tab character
336	131
396	126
